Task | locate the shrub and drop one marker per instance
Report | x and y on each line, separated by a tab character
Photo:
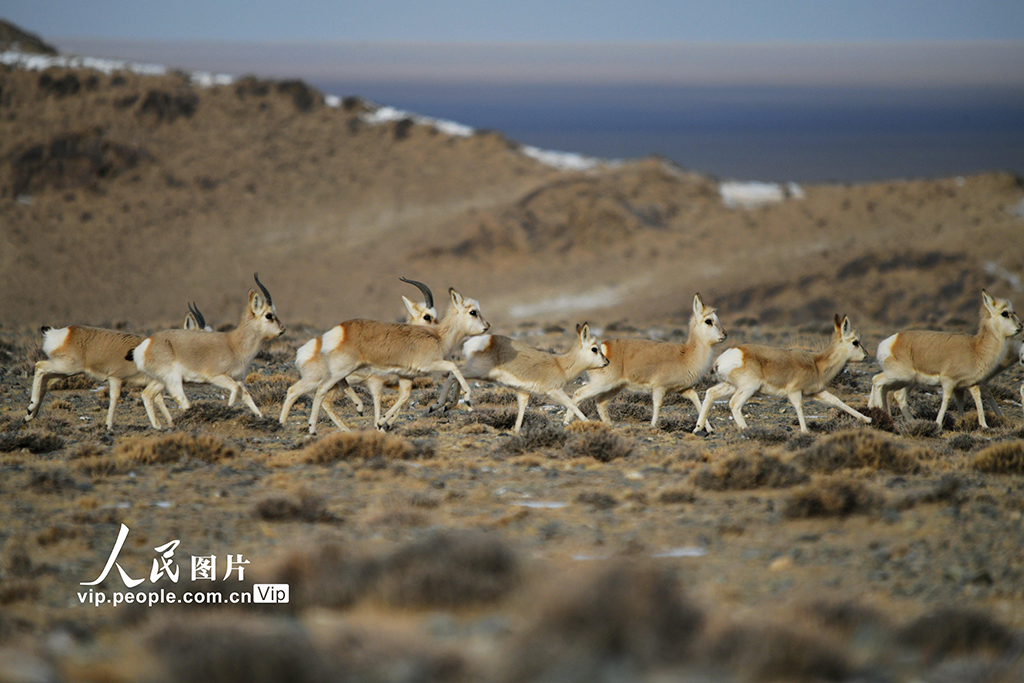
1001	458
858	448
174	448
832	497
743	471
596	440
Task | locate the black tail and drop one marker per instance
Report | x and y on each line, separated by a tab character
130	355
45	328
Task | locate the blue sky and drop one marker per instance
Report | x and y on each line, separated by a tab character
799	21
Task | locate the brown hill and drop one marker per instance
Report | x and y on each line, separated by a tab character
123	196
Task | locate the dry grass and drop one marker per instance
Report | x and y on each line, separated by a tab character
596	440
750	470
368	447
919	429
598	500
268	390
627	618
779	653
535	436
1001	458
950	632
304	506
856	449
831	497
175	448
35	441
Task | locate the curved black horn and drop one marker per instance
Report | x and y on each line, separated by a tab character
200	320
427	296
270	302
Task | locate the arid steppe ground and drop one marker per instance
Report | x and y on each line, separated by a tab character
450	549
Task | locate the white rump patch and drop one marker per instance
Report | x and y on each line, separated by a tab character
305	352
884	352
139	354
728	362
53	339
475	345
333	337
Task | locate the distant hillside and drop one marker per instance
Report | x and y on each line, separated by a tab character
14	38
123	196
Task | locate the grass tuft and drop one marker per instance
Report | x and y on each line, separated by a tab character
743	471
1001	458
858	448
831	497
596	440
175	448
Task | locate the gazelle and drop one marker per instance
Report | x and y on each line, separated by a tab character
794	373
1012	356
392	348
526	369
98	353
312	363
952	361
660	367
172	357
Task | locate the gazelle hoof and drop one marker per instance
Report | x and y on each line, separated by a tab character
701	432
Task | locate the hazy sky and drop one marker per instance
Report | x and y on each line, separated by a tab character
523	20
887	42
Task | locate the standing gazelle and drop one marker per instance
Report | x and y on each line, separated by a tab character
100	354
794	373
526	369
313	370
659	366
404	350
173	357
952	361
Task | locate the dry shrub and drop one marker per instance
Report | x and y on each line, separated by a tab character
779	653
267	389
625	618
72	383
632	405
420	428
534	436
742	471
99	465
1001	458
54	480
174	448
831	497
445	570
597	499
674	425
60	404
848	617
304	506
497	397
880	419
364	447
919	429
766	435
34	441
951	632
18	590
204	413
596	440
504	419
858	448
675	496
229	649
448	570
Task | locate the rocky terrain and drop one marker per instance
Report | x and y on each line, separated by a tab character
450	549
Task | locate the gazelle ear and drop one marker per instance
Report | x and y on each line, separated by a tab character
698	304
410	307
256	302
456	297
190	322
846	328
986	298
583	331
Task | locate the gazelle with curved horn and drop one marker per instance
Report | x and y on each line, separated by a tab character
312	364
405	350
194	320
173	357
100	354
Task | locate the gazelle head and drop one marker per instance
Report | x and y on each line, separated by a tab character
998	314
847	339
261	312
705	322
591	349
466	311
194	320
421	314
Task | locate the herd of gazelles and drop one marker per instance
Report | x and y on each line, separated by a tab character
371	352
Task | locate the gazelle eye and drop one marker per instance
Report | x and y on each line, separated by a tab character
708	322
593	350
1006	314
270	316
473	313
856	342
